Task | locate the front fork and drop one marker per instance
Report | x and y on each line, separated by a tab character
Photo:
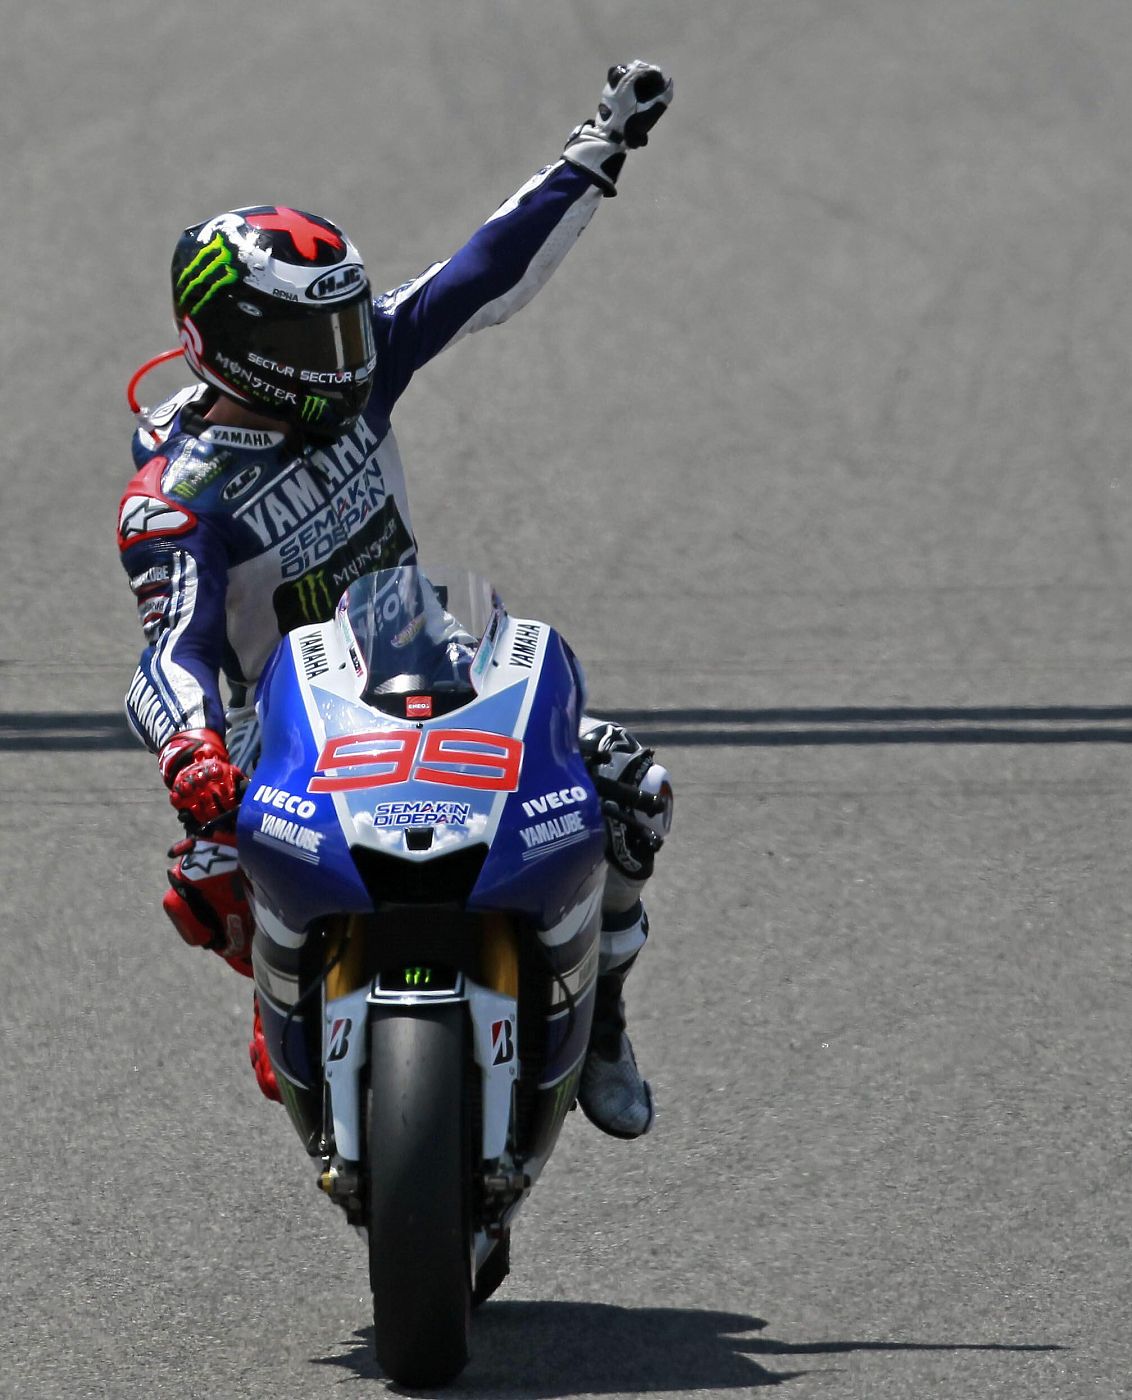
352	987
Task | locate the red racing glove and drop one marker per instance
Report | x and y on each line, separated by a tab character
203	783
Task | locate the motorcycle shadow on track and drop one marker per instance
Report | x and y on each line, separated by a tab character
547	1350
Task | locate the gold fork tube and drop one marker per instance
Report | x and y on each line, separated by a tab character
499	955
349	971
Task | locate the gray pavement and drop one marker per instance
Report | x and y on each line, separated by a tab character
817	450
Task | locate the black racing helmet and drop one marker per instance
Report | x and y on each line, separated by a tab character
274	309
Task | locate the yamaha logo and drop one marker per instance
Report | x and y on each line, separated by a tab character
338	283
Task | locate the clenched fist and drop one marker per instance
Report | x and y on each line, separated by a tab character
635	97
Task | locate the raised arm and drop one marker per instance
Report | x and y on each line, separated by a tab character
511	256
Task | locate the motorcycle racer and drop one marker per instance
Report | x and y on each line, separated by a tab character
266	488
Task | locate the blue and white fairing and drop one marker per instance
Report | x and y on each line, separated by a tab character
483	753
403	761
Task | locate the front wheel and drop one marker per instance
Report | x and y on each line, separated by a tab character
420	1235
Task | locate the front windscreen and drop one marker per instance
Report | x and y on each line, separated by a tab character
409	630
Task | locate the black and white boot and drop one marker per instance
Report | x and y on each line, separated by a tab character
612	1093
636	797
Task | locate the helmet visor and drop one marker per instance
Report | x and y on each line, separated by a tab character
332	348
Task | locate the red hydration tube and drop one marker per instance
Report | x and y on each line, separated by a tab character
131	397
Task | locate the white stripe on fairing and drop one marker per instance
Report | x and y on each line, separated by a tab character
574	922
520	725
280	986
330	636
568	986
333	647
276	929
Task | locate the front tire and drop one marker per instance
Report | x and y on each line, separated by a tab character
420	1234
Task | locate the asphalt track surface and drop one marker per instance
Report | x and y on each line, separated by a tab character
817	449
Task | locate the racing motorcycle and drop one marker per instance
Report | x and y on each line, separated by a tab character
423	847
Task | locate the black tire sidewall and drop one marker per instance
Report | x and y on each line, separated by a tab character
418	1194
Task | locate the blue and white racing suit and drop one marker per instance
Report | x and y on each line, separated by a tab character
232	537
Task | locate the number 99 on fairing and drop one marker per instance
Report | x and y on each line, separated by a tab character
466	758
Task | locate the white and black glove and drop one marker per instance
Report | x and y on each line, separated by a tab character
635	97
635	793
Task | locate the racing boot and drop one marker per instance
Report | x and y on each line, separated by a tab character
206	901
636	795
612	1094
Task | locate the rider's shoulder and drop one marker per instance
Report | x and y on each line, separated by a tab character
187	470
215	467
156	426
185	458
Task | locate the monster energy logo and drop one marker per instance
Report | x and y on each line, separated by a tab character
313	408
210	270
313	596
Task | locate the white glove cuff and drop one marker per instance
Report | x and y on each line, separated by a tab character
589	150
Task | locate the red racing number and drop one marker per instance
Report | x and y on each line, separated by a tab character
466	758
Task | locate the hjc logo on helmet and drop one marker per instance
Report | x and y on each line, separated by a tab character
342	282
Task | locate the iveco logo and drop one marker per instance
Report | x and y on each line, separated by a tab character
341	282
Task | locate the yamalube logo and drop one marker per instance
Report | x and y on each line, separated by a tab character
337	283
561	831
301	840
